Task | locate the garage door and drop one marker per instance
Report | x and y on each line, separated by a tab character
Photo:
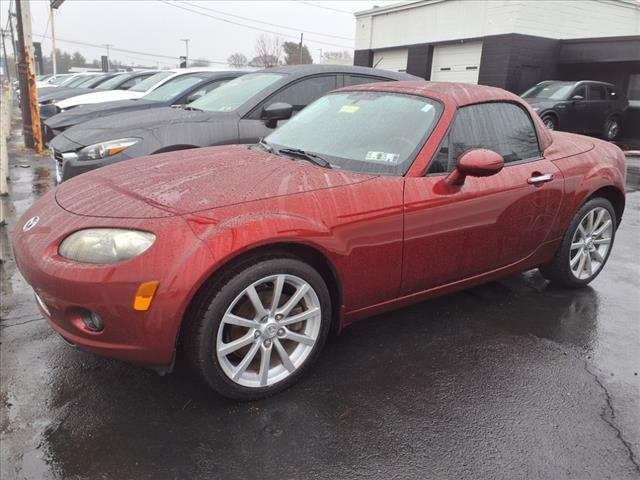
395	59
456	63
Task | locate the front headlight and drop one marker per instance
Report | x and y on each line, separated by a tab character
105	245
106	149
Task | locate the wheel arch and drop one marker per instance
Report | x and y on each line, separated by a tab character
308	253
613	195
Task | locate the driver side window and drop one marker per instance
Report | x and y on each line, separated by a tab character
581	90
502	127
301	93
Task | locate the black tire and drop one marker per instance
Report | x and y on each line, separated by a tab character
558	270
201	329
550	121
612	128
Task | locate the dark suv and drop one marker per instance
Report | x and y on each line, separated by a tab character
582	107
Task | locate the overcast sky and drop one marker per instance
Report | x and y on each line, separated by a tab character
155	26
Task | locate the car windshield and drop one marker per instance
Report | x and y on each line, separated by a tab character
174	87
150	82
96	80
74	82
60	79
553	91
232	95
371	132
114	82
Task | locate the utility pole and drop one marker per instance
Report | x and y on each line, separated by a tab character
53	41
13	42
186	56
108	58
4	51
300	61
26	67
53	5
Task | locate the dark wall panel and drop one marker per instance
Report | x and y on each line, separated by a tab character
516	62
363	58
419	60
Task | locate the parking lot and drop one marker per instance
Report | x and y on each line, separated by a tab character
514	379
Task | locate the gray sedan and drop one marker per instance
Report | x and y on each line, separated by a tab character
241	111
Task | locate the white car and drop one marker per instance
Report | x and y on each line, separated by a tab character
137	91
60	80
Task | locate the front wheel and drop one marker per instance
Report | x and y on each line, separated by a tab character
550	122
585	246
261	328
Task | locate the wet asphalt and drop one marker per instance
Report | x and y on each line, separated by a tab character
514	379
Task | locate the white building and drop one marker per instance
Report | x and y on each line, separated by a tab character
512	44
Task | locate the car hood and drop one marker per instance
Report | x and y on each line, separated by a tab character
85	113
189	181
99	97
129	124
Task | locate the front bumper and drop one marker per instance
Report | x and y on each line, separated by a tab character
67	288
68	165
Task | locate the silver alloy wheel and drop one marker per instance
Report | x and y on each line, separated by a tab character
590	243
612	129
278	316
549	123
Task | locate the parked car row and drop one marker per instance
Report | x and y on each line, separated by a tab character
350	191
229	107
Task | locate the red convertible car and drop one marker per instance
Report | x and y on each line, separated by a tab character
244	258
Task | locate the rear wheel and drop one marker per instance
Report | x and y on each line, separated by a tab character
585	247
612	128
261	329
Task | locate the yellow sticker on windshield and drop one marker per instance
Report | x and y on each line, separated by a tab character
349	109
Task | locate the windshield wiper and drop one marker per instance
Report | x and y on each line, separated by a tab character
264	144
194	109
311	157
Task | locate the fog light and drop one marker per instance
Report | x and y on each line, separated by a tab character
92	321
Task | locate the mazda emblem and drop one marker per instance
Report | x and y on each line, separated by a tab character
32	222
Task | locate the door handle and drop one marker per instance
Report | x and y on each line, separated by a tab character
539	178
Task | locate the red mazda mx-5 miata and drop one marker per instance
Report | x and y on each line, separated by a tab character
243	258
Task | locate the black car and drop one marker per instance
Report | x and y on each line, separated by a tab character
177	91
241	111
583	107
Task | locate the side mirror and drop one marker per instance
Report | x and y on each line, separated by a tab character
577	98
478	162
276	111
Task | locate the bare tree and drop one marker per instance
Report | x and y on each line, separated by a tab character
343	57
267	50
238	60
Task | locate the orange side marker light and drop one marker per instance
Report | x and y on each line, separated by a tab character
144	295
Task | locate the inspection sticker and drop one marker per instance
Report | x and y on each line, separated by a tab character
349	109
383	157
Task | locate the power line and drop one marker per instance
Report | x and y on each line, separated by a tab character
250	26
325	7
265	23
135	52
